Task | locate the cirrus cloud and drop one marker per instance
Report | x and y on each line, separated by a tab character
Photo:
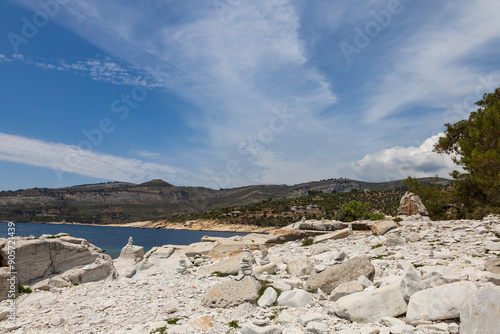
64	158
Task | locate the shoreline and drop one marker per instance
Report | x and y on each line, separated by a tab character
194	225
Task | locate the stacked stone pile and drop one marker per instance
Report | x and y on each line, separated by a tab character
415	276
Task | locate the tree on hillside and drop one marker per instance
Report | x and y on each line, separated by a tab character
476	145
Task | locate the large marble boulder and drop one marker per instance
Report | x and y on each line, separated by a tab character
331	235
50	256
300	266
268	297
93	272
373	305
295	298
130	255
479	313
439	303
382	227
333	276
492	265
229	266
232	293
163	259
411	204
411	283
284	234
345	289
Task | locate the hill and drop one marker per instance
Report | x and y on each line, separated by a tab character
120	202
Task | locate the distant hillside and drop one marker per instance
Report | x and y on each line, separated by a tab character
120	202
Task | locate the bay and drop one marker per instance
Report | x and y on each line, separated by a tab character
112	239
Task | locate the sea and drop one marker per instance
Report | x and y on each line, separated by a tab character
112	239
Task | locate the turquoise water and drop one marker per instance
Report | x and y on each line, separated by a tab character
112	239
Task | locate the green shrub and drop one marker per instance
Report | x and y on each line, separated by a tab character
161	330
307	242
22	289
397	219
376	216
234	324
351	211
219	274
172	321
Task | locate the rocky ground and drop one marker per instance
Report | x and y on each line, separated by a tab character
417	276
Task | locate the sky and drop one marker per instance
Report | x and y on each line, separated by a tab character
228	93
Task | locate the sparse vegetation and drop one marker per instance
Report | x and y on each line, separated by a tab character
219	274
307	242
355	210
58	236
172	321
161	330
263	286
234	324
22	289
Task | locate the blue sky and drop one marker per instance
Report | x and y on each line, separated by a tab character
225	93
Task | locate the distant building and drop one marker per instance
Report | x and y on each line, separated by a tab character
234	214
296	209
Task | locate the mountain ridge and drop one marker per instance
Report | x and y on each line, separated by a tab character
122	202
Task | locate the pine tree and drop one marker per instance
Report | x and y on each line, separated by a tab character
476	145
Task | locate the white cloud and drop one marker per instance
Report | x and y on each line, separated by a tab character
4	58
68	158
147	154
400	162
18	56
98	69
237	64
240	63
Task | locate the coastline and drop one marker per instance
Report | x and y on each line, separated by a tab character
192	225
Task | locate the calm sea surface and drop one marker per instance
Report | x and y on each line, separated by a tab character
112	239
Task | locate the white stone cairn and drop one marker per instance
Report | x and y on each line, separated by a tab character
181	269
260	320
264	257
130	242
246	262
